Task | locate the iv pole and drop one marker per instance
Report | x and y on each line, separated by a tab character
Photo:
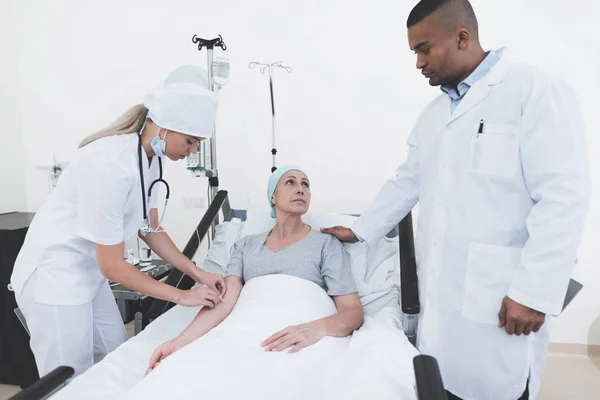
263	67
212	174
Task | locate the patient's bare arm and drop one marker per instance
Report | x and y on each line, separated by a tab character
205	320
349	317
208	318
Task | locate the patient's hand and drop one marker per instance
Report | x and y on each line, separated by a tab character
162	352
298	336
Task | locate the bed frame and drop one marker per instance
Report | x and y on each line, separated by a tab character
427	373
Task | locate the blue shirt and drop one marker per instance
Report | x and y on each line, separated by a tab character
482	69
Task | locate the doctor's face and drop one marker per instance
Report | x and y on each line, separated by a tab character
437	49
180	145
292	194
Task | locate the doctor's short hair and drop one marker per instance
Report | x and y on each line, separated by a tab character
454	13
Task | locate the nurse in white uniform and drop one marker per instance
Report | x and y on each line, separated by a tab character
498	165
76	241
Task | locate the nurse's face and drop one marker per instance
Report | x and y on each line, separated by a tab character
180	145
292	194
439	50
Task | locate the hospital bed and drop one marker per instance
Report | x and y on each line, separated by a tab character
161	315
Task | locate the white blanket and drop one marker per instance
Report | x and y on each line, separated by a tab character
229	363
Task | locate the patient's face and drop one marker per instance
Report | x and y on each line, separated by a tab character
292	194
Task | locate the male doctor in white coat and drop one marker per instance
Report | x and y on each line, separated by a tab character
498	165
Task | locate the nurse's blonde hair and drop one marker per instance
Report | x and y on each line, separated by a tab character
130	122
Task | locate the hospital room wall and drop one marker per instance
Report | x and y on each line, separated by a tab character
12	163
344	113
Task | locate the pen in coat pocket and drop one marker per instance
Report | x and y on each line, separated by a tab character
480	131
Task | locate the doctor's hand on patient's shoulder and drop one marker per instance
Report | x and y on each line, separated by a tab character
199	296
518	319
296	337
162	352
342	233
214	281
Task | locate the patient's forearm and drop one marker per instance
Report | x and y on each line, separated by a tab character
342	323
209	318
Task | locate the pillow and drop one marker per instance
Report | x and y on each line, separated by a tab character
318	221
376	267
258	218
219	254
376	270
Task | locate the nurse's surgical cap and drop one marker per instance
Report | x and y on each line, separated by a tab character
274	180
184	103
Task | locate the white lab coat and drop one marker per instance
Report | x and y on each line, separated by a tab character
56	278
500	213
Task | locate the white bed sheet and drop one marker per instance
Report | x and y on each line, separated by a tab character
125	366
375	362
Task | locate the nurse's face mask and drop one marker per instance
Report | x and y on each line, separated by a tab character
159	146
180	145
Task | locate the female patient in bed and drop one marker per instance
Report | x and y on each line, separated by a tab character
290	248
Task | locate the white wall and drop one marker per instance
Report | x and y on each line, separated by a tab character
12	164
344	112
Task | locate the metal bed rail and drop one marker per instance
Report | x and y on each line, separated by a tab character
427	372
429	378
46	385
409	282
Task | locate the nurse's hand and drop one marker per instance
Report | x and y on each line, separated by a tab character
162	352
518	319
342	233
215	282
199	296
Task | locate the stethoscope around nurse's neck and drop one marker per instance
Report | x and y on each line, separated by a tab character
146	227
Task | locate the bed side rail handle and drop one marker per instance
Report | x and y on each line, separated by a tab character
409	282
46	385
429	379
204	225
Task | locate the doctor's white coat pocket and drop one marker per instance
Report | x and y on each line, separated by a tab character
495	152
489	272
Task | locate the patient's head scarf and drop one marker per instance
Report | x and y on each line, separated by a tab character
274	180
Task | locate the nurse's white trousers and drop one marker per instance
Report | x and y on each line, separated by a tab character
77	336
